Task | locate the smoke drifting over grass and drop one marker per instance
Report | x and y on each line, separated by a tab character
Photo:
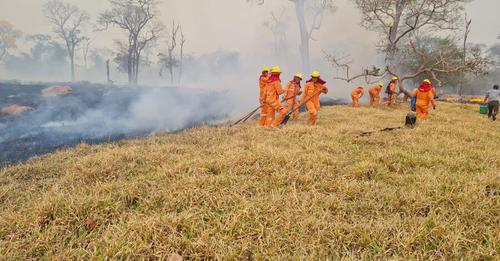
99	113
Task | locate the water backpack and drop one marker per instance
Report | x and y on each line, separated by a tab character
413	103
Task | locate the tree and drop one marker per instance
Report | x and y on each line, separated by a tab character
278	28
169	60
395	20
181	56
421	57
460	85
68	22
85	50
310	14
495	53
8	38
139	19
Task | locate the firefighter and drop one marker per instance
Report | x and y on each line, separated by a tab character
264	77
356	94
374	92
313	89
273	90
425	96
291	93
391	92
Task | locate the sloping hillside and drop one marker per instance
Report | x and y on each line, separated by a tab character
240	193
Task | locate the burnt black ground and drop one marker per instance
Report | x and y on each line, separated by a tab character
91	114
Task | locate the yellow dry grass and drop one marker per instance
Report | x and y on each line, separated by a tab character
297	193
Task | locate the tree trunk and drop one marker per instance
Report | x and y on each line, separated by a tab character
130	66
402	88
304	35
393	33
107	72
171	70
136	72
72	58
180	63
71	55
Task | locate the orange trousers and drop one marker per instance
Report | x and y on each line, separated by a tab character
293	105
275	108
374	100
313	109
355	101
392	100
422	112
264	112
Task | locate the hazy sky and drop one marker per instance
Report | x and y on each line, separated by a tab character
235	25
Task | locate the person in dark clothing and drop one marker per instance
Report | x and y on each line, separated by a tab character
493	99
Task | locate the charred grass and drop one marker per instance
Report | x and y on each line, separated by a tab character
300	192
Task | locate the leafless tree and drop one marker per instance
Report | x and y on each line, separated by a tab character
181	56
468	24
85	50
420	58
343	71
396	19
278	28
139	19
68	23
8	38
310	14
169	60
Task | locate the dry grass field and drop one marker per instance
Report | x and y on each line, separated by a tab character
242	193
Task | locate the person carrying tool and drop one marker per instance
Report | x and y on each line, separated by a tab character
391	92
493	99
374	92
356	94
424	95
292	91
264	77
272	92
313	89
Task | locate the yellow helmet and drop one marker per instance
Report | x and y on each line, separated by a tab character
276	69
266	69
299	75
315	74
427	81
395	78
381	83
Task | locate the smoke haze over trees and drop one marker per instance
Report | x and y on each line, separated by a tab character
239	31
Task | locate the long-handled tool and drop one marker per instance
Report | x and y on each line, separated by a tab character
289	114
249	115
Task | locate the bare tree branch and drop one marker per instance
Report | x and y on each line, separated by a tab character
139	19
68	22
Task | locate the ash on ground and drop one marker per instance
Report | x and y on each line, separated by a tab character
97	113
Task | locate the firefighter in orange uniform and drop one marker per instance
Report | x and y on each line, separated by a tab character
264	77
391	91
291	93
374	92
356	94
312	91
272	92
425	96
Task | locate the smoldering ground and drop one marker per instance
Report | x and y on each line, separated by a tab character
98	113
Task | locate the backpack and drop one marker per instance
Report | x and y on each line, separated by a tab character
413	103
388	89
